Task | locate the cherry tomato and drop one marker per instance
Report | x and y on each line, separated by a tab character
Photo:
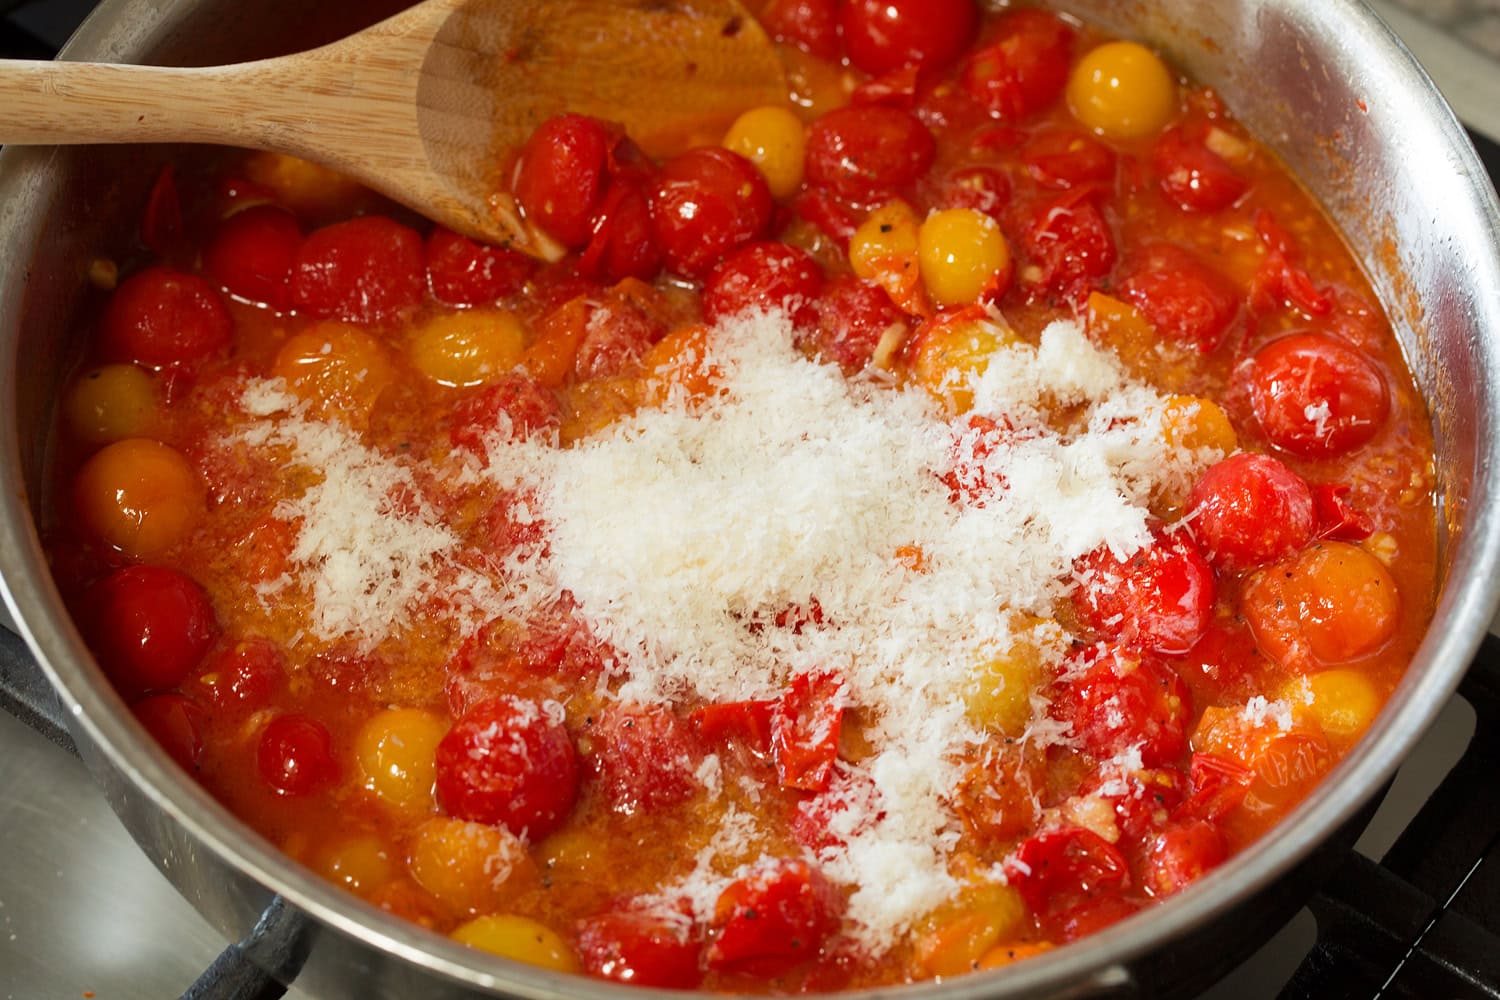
1159	598
1181	854
622	243
805	731
983	189
1025	68
1338	518
507	763
1122	700
365	270
1070	244
1066	158
161	223
1218	785
461	272
853	317
561	173
706	203
1153	795
245	674
884	35
853	791
150	627
1249	510
1090	916
774	918
1330	603
644	945
1056	869
295	755
252	254
161	317
1315	396
515	405
645	759
1192	176
1184	299
764	276
864	151
744	723
177	724
618	337
810	25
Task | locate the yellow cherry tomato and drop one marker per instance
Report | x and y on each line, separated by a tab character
961	932
1195	422
1329	603
140	496
519	939
111	403
963	256
772	139
395	750
950	352
1122	90
468	348
469	867
884	250
359	864
999	692
340	370
1344	702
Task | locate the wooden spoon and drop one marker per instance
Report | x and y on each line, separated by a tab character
425	106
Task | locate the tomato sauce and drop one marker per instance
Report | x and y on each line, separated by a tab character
940	188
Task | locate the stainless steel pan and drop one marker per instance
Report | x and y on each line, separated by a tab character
1324	83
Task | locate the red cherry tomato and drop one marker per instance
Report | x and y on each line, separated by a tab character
743	723
1071	244
706	203
884	35
774	918
1065	158
644	945
869	150
161	317
1249	510
813	822
1025	68
1225	661
365	270
1183	298
245	674
1192	176
810	25
983	189
765	276
161	223
1219	786
829	211
151	627
252	255
853	317
1152	796
1315	396
1121	701
805	731
506	762
177	724
1057	869
1159	598
295	755
1181	854
515	403
1090	916
461	272
560	175
645	759
622	243
618	336
1338	518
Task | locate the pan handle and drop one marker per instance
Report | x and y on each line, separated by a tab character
26	693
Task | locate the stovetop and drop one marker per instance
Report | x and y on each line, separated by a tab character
83	914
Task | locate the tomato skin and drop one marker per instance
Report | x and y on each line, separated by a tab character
644	758
506	763
622	243
805	731
1315	396
295	755
705	203
866	151
1192	176
643	946
515	401
1054	870
810	25
1181	854
774	918
245	675
1338	519
1184	299
853	316
161	317
252	255
765	275
1249	510
746	723
177	724
560	175
885	35
461	272
150	627
1025	69
1120	701
1066	158
1159	598
1071	243
363	271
